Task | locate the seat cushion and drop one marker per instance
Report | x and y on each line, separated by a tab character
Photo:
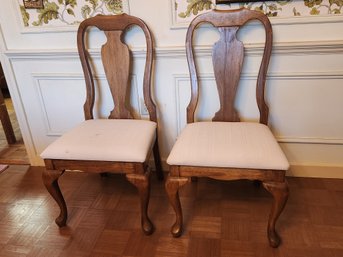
105	140
228	144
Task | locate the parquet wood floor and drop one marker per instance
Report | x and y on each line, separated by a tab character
221	218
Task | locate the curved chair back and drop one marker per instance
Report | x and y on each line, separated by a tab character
116	60
227	57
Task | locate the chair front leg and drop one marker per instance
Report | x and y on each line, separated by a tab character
50	180
280	191
172	187
142	183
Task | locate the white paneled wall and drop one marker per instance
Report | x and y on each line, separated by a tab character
304	87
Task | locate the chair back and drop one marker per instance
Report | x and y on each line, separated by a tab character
227	57
116	59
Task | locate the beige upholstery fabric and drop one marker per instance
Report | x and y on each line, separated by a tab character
228	144
105	140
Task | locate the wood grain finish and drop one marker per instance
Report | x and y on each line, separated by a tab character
157	160
280	194
222	218
143	185
50	180
116	60
4	117
118	24
172	188
230	19
227	56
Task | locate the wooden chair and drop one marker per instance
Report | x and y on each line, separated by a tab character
119	144
4	116
225	148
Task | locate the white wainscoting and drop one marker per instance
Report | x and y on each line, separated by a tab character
281	84
51	91
304	99
69	88
304	90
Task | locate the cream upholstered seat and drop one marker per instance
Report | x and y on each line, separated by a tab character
228	144
122	140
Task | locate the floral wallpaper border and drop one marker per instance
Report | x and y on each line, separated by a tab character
185	10
61	13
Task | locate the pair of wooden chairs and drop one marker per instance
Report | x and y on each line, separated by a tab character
224	149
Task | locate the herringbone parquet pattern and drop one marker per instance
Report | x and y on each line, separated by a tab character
221	218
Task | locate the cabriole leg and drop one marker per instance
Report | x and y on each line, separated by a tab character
172	187
50	180
142	182
280	191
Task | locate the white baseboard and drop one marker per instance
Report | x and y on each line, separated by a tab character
315	171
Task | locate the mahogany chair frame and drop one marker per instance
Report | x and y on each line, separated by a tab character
227	77
116	60
4	116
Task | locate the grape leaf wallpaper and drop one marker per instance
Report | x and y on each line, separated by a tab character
72	12
282	8
68	12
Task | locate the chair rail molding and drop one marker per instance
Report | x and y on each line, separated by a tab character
286	48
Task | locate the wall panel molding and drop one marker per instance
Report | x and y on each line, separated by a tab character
179	78
311	140
38	78
50	131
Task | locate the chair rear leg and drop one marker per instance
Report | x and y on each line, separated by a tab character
50	180
280	191
142	183
157	159
172	187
